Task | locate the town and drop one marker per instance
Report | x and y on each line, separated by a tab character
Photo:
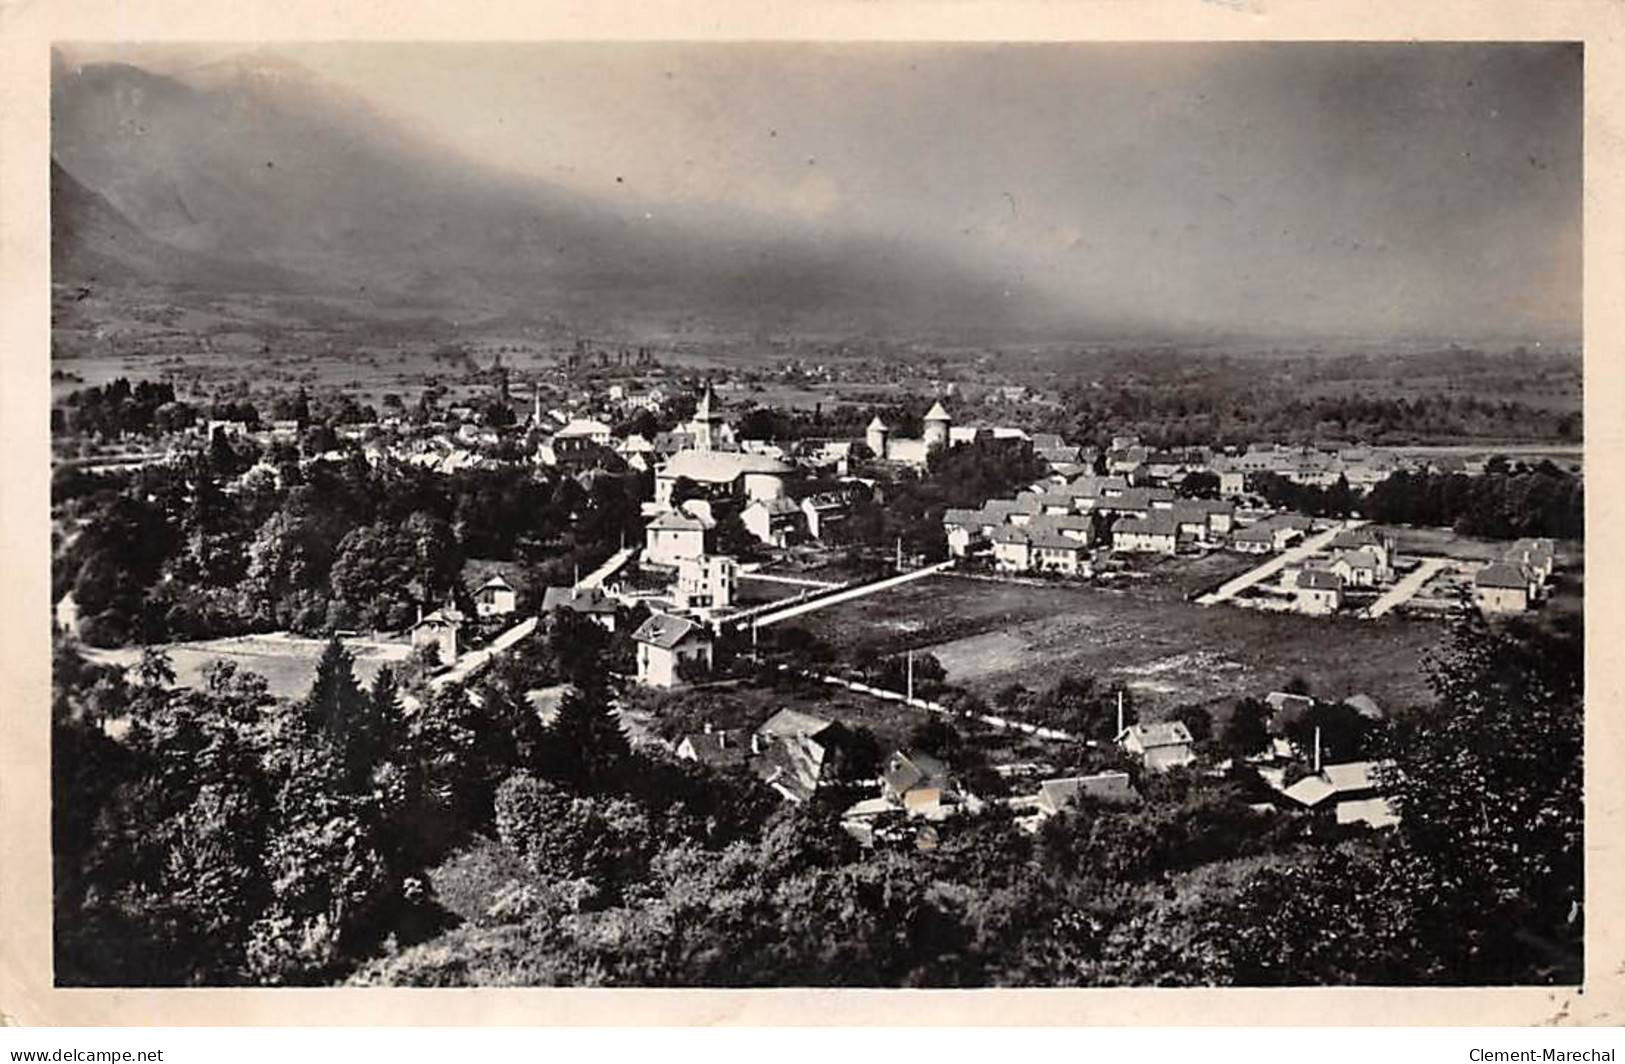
732	553
965	544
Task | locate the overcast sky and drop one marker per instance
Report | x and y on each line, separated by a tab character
1270	188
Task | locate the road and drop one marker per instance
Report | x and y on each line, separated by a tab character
848	595
597	577
1290	556
1401	592
472	662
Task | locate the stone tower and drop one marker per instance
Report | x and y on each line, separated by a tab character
936	427
875	437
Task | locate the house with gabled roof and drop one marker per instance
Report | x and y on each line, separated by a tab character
1052	551
495	598
717	748
590	602
1011	549
1353	791
918	781
1357	568
1157	533
676	536
1503	588
1160	746
667	647
1319	592
1111	788
774	521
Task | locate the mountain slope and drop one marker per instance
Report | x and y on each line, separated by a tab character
262	163
91	241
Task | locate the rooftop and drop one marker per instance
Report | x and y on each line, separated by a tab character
664	630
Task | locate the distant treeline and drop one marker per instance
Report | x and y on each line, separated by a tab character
1215	414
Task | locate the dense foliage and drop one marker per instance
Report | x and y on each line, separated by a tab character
1504	502
200	548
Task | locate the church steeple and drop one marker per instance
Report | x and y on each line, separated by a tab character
706	419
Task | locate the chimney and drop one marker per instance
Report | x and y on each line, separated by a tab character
708	727
755	742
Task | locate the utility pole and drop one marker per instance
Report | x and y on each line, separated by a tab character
1119	714
911	675
899	553
1317	749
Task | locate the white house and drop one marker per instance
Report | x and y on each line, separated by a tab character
667	644
1319	592
773	521
1157	532
495	598
1011	549
675	536
708	582
1503	588
1357	568
585	429
1159	746
440	630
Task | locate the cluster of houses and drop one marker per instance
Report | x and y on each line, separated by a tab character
1054	527
1360	557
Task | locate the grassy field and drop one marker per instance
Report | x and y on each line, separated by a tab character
288	663
1170	652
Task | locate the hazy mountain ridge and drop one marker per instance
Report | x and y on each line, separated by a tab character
259	165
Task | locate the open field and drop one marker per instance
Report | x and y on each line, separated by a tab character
1170	652
288	663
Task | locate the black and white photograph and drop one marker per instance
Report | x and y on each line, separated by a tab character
813	514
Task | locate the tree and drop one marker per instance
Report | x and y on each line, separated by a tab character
155	668
1488	788
342	717
586	746
1247	731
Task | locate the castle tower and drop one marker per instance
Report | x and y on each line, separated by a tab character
875	437
936	427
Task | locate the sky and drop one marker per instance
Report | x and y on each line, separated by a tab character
1271	189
